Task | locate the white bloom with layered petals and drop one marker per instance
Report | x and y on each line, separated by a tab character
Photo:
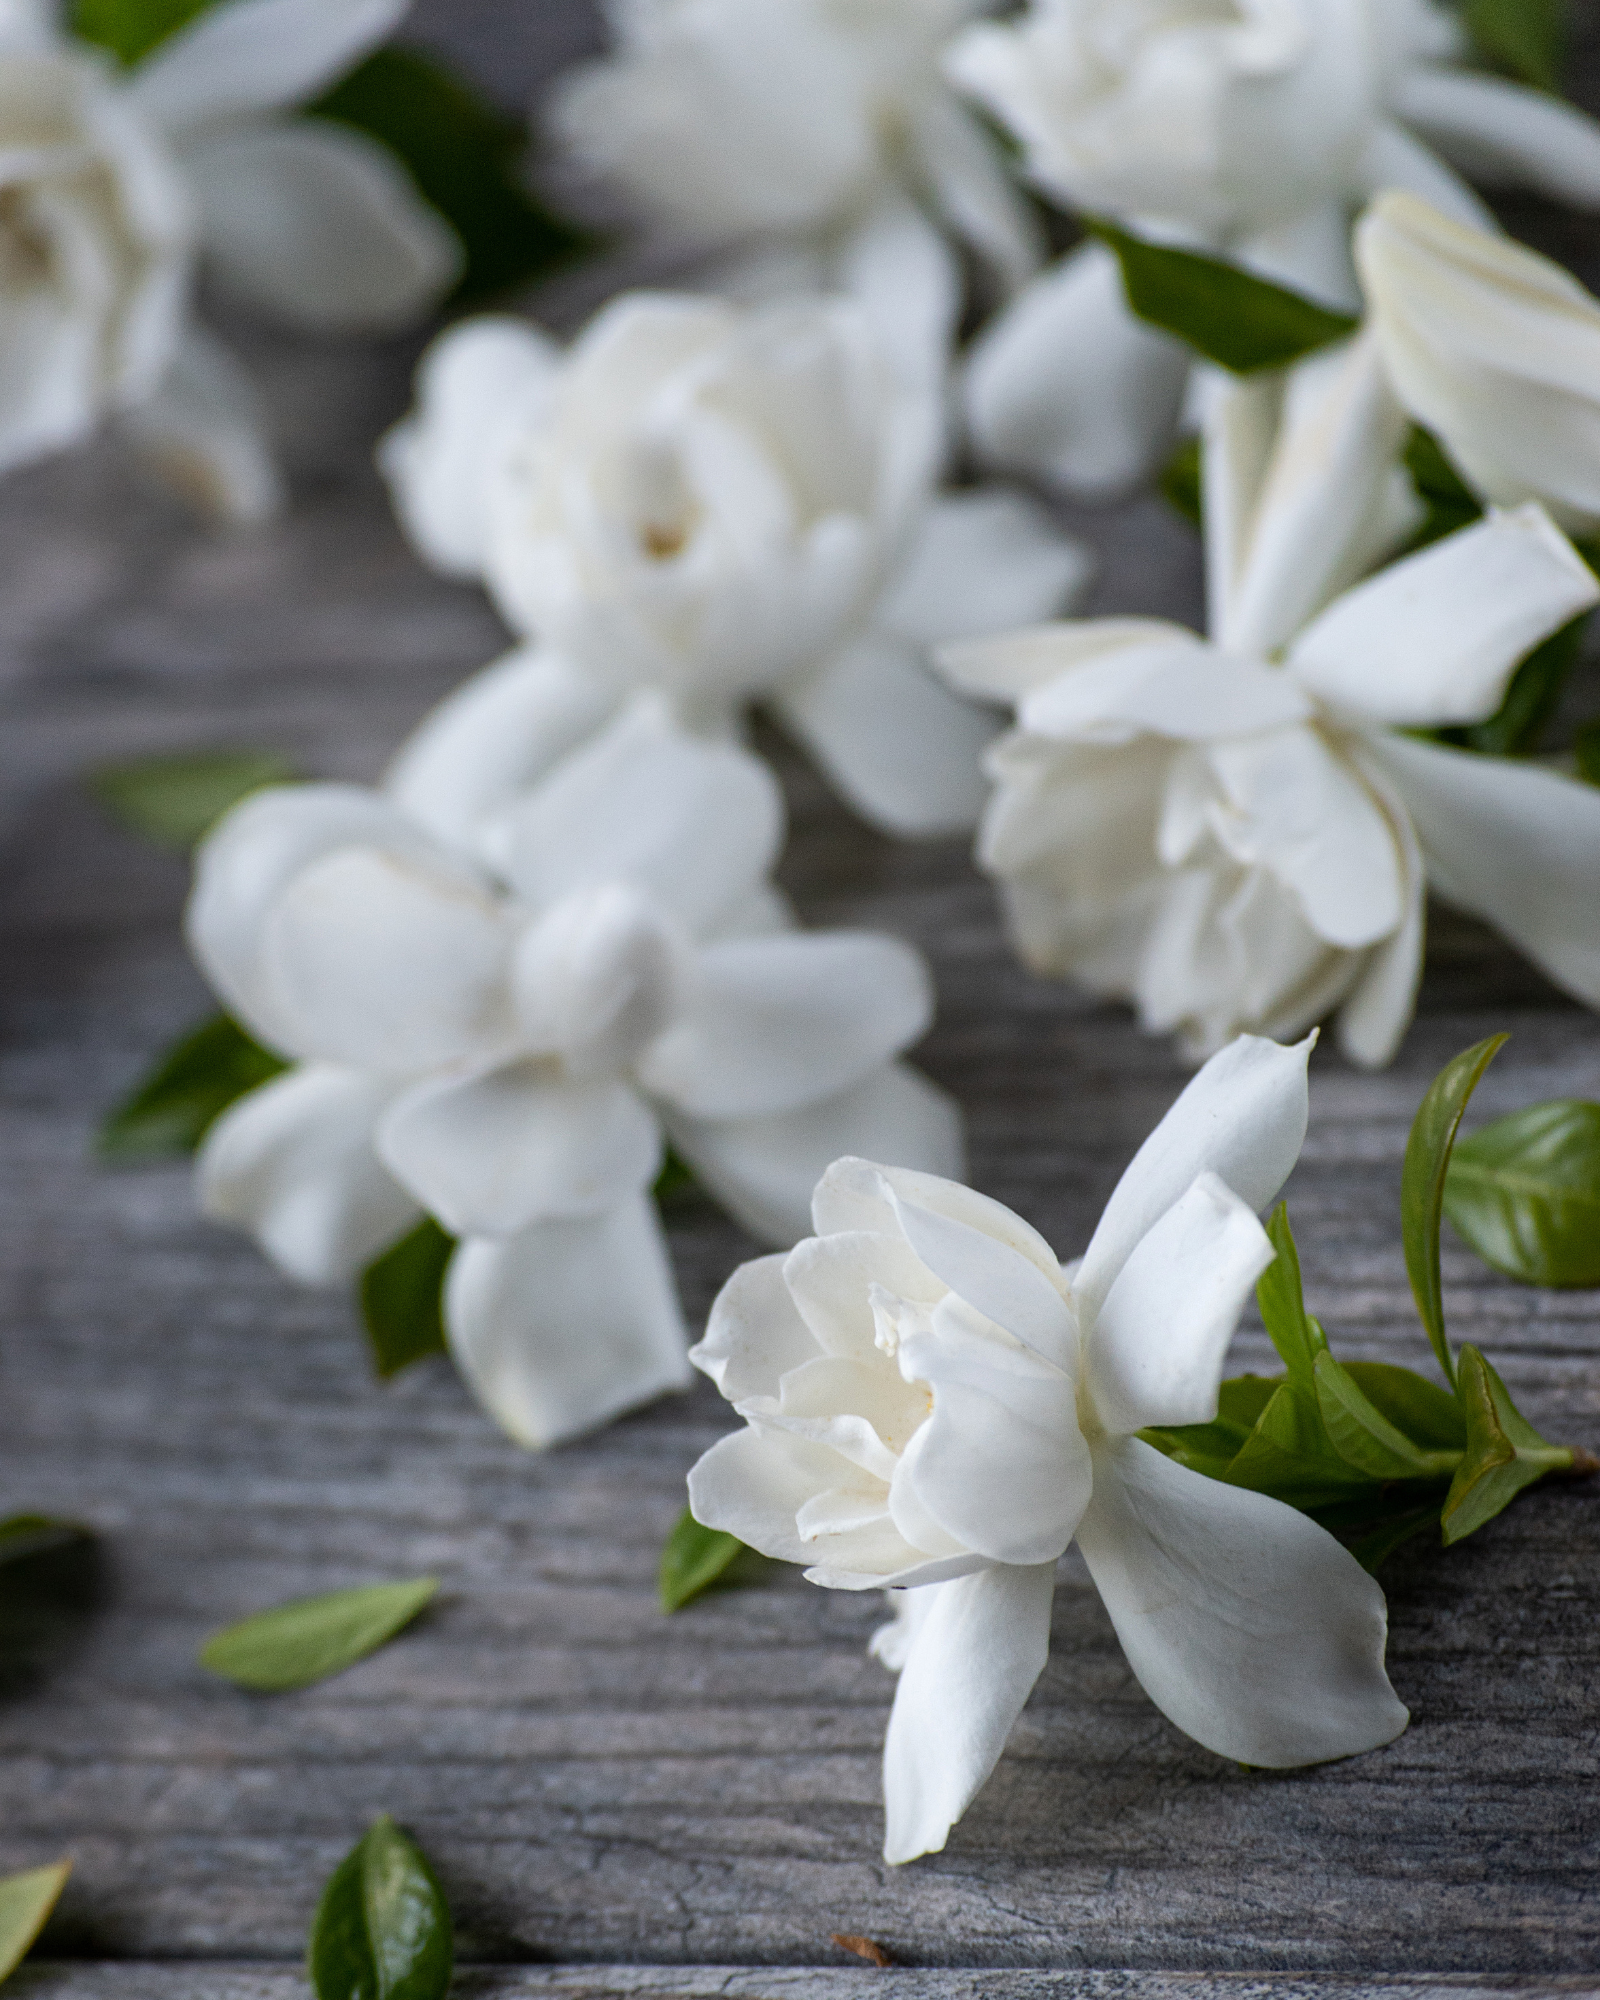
1237	833
1253	126
731	506
503	1044
933	1403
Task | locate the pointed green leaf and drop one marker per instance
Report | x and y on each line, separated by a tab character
1240	321
130	29
23	1535
1182	484
402	1298
1433	1135
1290	1456
1296	1336
382	1929
25	1904
176	801
1448	501
1526	37
1525	1193
1365	1438
1586	750
1504	1452
178	1101
1428	1415
694	1560
306	1641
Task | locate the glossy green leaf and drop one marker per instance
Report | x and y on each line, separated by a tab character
402	1298
1433	1135
1531	698
1525	1193
1526	37
1242	322
130	29
1448	501
693	1559
1504	1452
1182	485
382	1929
296	1644
1365	1437
25	1904
175	801
1281	1301
187	1091
1428	1415
466	159
24	1535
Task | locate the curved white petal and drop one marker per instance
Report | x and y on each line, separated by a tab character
293	1162
984	561
1394	160
755	1333
859	1194
1182	689
1013	664
832	1280
1155	1355
204	432
901	748
763	1170
995	1279
565	1325
906	279
1067	386
962	166
250	56
1374	1019
772	1024
1243	1118
1499	132
978	1650
1436	638
321	226
1246	1624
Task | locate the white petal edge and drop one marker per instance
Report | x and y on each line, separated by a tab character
205	435
249	56
985	561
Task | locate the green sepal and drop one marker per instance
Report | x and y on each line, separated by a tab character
402	1298
1428	1149
695	1559
297	1644
24	1535
1526	37
130	29
1182	482
382	1929
1243	323
1504	1452
1364	1436
178	1101
1524	1192
1449	502
26	1901
176	801
1530	699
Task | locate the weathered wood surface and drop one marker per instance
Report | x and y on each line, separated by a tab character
597	1783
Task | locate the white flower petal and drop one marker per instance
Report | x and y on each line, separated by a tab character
1436	638
985	561
773	1024
1395	162
489	1154
995	1279
204	433
755	1333
257	55
977	1653
1247	1624
859	1194
293	1163
567	1324
1182	689
906	279
830	1280
1502	132
756	1483
963	167
1013	664
1155	1355
1374	1019
1243	1118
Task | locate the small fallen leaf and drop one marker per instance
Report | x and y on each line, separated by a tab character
25	1905
863	1947
382	1930
175	801
314	1637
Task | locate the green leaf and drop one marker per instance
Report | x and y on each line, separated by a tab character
1240	321
1586	748
25	1904
306	1641
1181	483
1526	37
1376	1540
1531	698
1365	1437
1525	1193
1449	502
1428	1415
130	29
402	1298
182	1097
1433	1135
24	1535
1504	1452
1290	1456
676	1178
175	801
466	160
1281	1301
696	1559
382	1929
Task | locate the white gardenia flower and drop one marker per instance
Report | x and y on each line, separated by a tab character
731	505
1254	126
505	1045
932	1402
1495	348
1237	833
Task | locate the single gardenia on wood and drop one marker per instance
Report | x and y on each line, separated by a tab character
1236	833
500	1031
932	1402
730	506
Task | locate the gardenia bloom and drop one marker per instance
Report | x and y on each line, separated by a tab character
1495	349
731	506
1253	126
932	1402
1237	833
113	182
504	1047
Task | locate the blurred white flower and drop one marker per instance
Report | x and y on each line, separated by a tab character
1253	126
932	1402
1237	834
731	506
1493	347
504	1047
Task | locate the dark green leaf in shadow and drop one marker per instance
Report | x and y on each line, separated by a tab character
402	1298
1433	1135
1448	501
187	1091
1504	1452
1375	1536
1181	483
26	1901
1526	37
1525	1193
696	1559
382	1929
1242	322
130	29
175	801
677	1179
24	1535
1531	698
297	1644
1586	749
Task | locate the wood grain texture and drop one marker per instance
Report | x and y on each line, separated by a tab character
596	1782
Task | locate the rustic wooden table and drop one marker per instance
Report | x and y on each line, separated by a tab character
621	1803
